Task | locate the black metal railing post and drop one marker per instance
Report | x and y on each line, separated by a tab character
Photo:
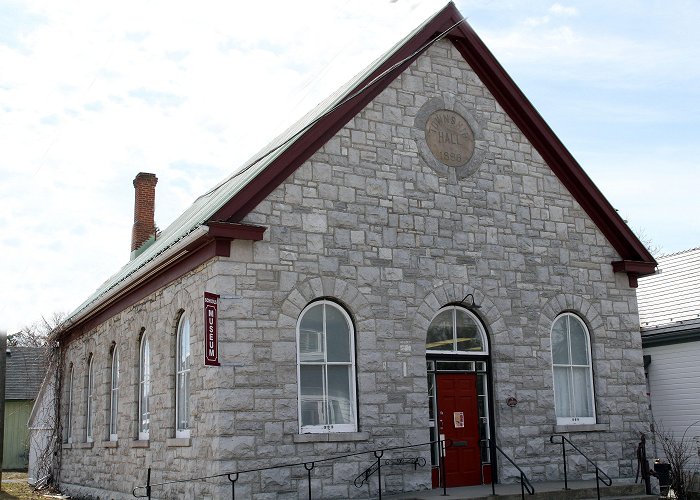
525	484
363	478
600	475
308	474
233	484
378	455
441	464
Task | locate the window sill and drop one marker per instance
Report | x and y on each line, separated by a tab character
581	428
140	443
178	442
331	437
67	446
110	444
86	446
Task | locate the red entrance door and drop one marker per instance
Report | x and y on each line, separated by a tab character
458	422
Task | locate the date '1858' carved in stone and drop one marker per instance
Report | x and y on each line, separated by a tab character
449	138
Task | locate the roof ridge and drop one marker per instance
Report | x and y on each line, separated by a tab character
679	252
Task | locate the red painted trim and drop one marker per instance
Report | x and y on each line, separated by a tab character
630	266
234	231
634	269
216	243
508	95
317	135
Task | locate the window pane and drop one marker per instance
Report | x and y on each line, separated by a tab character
313	404
468	337
440	332
184	345
145	384
88	424
562	391
582	393
339	395
183	405
114	408
311	346
70	405
337	335
579	342
560	345
183	376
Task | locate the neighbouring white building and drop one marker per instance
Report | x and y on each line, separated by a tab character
669	314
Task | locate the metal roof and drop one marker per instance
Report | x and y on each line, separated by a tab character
264	171
210	202
26	368
672	296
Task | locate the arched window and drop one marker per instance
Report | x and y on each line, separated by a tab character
144	388
573	374
456	330
114	396
89	405
69	424
326	369
182	392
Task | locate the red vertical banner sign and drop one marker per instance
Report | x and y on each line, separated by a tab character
211	329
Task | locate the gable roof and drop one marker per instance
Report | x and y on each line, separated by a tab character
204	229
671	297
25	371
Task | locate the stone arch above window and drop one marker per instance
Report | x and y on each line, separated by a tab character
342	292
451	294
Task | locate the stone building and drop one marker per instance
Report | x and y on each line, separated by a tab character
419	256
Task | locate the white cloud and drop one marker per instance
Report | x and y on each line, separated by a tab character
559	9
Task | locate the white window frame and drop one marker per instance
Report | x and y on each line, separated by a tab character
328	428
577	419
114	397
479	326
69	430
144	386
182	372
89	401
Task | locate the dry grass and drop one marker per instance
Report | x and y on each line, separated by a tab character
19	490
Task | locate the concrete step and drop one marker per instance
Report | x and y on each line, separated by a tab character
614	492
553	490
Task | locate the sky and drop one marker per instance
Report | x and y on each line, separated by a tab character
91	93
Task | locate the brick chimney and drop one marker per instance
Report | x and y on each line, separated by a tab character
144	210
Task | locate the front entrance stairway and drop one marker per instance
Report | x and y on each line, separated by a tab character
554	490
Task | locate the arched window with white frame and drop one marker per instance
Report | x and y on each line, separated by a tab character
144	387
572	371
182	391
89	400
326	369
114	396
69	423
455	329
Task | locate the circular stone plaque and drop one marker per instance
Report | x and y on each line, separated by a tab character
449	138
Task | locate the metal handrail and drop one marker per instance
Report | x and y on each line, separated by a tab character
525	484
309	465
598	471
